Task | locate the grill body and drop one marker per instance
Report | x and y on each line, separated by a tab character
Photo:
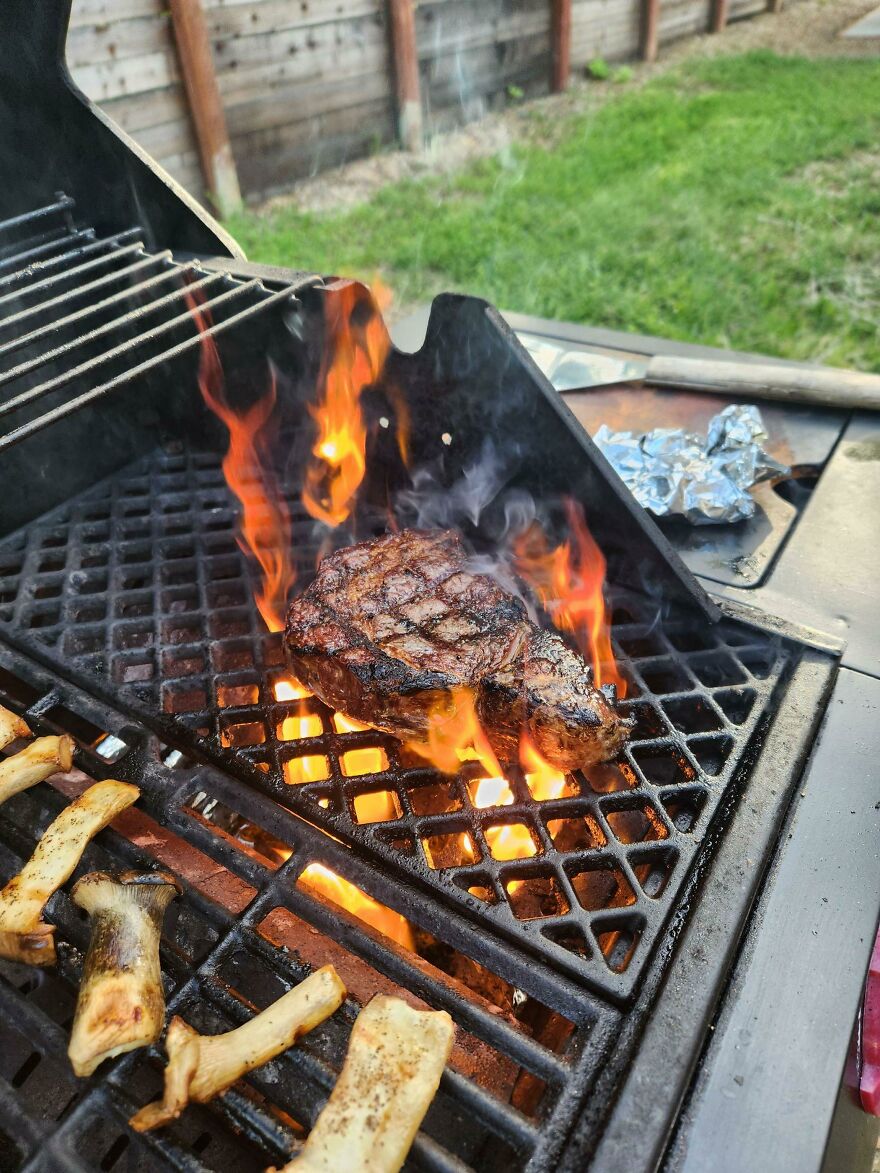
126	618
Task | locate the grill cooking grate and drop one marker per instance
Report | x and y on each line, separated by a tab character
81	310
138	589
242	933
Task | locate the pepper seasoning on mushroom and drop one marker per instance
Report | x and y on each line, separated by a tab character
121	1003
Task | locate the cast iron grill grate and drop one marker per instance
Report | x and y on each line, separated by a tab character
83	315
138	589
242	933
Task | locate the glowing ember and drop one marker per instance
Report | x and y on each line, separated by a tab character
376	807
302	725
569	581
265	530
356	348
370	759
455	735
511	841
346	895
312	767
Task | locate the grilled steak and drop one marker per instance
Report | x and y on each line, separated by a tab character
387	627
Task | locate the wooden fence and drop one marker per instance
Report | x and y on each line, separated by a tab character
302	85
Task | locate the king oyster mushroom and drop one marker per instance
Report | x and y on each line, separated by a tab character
396	1056
23	936
34	763
121	1003
203	1066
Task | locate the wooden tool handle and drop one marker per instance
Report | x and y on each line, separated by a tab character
820	386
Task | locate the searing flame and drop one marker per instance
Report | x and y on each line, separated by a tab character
506	841
570	582
543	780
359	904
265	531
455	735
291	690
356	348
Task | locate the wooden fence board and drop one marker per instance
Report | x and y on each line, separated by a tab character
364	34
264	16
135	75
118	39
110	11
610	29
136	113
307	84
263	81
681	18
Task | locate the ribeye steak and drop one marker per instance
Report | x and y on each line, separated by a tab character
389	626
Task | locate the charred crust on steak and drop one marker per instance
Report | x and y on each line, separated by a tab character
389	626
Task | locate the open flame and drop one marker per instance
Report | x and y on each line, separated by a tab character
372	808
355	352
346	895
543	780
455	735
570	582
265	530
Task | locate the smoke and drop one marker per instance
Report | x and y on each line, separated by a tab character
482	486
431	504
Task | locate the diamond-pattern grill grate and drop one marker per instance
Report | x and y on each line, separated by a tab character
240	934
138	588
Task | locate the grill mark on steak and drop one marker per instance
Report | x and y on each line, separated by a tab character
388	627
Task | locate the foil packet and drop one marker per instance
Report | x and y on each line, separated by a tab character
705	479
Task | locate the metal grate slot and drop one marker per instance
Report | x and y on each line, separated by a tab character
139	589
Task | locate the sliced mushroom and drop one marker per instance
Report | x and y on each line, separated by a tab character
121	1003
396	1056
11	727
202	1066
22	935
35	763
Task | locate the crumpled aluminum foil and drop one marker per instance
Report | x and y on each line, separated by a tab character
673	472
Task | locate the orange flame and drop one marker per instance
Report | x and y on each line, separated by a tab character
455	735
364	907
265	530
506	840
543	780
570	581
357	346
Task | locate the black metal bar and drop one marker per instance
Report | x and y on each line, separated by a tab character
51	236
85	250
62	204
31	1022
66	409
21	260
501	1118
43	389
71	274
13	1118
91	307
131	317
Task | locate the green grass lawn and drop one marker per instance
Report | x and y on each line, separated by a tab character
732	201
